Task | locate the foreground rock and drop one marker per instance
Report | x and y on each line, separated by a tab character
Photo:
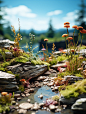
26	106
27	70
80	104
72	100
7	82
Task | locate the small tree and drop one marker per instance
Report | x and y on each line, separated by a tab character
1	18
81	15
50	32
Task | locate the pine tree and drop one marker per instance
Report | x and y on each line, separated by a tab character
50	33
82	15
1	18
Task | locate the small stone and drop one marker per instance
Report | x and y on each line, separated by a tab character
58	110
26	106
22	111
35	107
41	104
19	98
31	90
16	95
17	104
13	102
27	94
28	100
16	107
33	113
45	83
41	96
52	107
23	95
50	84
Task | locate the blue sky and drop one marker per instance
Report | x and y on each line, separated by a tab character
37	13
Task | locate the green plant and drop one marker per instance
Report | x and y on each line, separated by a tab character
62	58
74	90
53	61
21	88
55	98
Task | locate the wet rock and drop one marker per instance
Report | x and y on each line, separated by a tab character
58	65
41	104
22	111
23	95
35	107
16	95
25	106
19	98
31	90
58	110
80	104
28	70
52	107
27	94
28	100
8	82
13	102
41	78
71	100
6	43
45	83
72	79
40	96
47	73
50	84
33	113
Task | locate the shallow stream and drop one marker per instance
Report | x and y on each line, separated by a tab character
47	93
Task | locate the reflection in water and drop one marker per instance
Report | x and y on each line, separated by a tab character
46	92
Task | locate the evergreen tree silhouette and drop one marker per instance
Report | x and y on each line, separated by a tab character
82	15
50	33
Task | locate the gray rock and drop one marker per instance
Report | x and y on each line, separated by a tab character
28	70
52	107
6	43
58	65
22	111
80	104
7	82
26	106
72	79
72	100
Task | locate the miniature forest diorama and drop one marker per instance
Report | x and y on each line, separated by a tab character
64	71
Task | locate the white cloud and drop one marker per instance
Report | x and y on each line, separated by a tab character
56	12
70	16
21	10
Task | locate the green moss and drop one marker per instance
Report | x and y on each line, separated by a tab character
75	89
21	88
55	98
21	59
61	58
53	62
78	75
62	74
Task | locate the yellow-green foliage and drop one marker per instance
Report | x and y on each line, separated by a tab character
62	74
53	62
5	99
21	59
39	62
75	89
4	108
55	98
61	58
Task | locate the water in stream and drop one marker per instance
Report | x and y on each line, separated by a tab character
47	93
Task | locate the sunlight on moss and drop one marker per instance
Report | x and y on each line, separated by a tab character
75	89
